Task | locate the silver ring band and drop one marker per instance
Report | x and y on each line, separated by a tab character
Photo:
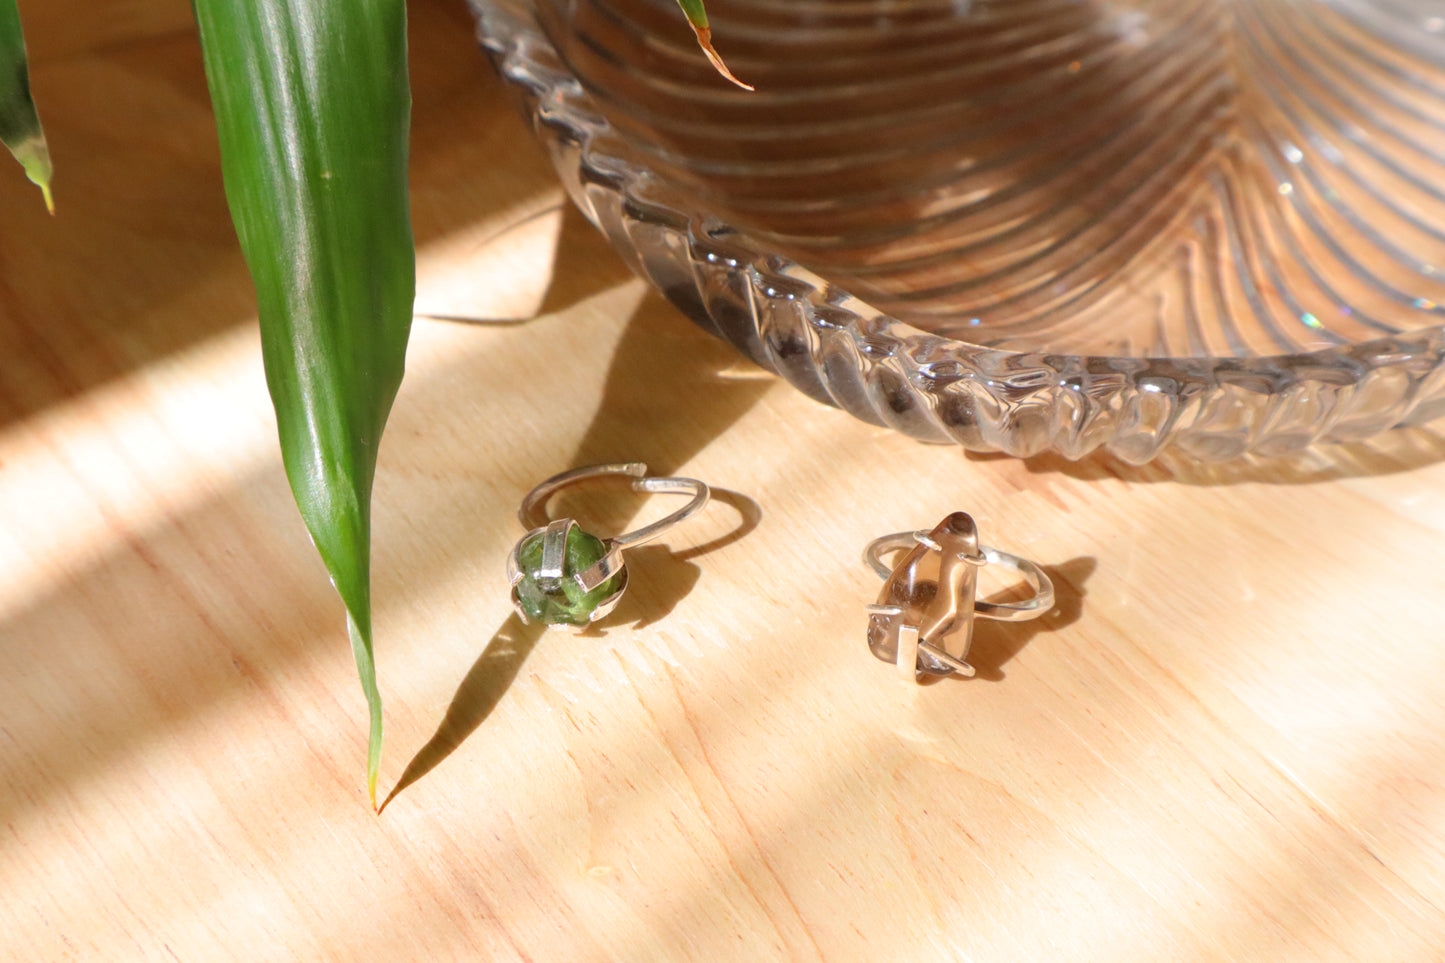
1031	608
533	512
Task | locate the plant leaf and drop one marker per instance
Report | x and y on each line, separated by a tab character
312	107
19	123
697	17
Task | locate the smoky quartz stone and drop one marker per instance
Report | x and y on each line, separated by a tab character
932	589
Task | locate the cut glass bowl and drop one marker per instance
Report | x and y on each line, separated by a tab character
1027	225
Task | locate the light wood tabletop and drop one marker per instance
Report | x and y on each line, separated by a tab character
1225	742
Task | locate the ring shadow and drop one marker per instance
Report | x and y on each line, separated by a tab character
668	575
995	643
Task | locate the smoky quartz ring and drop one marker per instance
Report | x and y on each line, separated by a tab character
566	576
923	620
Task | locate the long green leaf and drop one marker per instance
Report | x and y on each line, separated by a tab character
313	106
19	123
696	15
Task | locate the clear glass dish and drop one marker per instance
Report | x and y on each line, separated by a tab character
1027	225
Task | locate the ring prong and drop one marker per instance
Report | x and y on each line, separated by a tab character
957	665
907	656
923	538
554	548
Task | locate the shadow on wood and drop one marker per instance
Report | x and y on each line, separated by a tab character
668	577
659	578
482	688
995	643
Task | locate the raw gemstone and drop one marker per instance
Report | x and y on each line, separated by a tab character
563	601
934	591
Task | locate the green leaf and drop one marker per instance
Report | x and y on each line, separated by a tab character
312	107
697	16
19	123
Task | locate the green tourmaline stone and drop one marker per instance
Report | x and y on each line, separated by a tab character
558	601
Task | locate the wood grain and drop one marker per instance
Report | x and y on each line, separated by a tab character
1224	744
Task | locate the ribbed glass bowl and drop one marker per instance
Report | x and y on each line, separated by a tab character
1027	225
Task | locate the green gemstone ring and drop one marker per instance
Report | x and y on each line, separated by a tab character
563	575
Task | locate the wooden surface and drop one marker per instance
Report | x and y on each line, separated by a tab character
1224	744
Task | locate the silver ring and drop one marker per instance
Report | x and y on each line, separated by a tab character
561	574
923	619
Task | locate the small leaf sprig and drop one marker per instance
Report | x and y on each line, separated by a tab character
697	18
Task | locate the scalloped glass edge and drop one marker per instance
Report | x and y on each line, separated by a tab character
840	351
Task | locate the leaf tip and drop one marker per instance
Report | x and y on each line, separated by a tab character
34	156
704	40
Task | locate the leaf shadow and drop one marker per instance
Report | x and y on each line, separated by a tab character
666	417
583	263
665	577
481	690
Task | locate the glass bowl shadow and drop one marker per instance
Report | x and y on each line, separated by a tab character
1027	225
